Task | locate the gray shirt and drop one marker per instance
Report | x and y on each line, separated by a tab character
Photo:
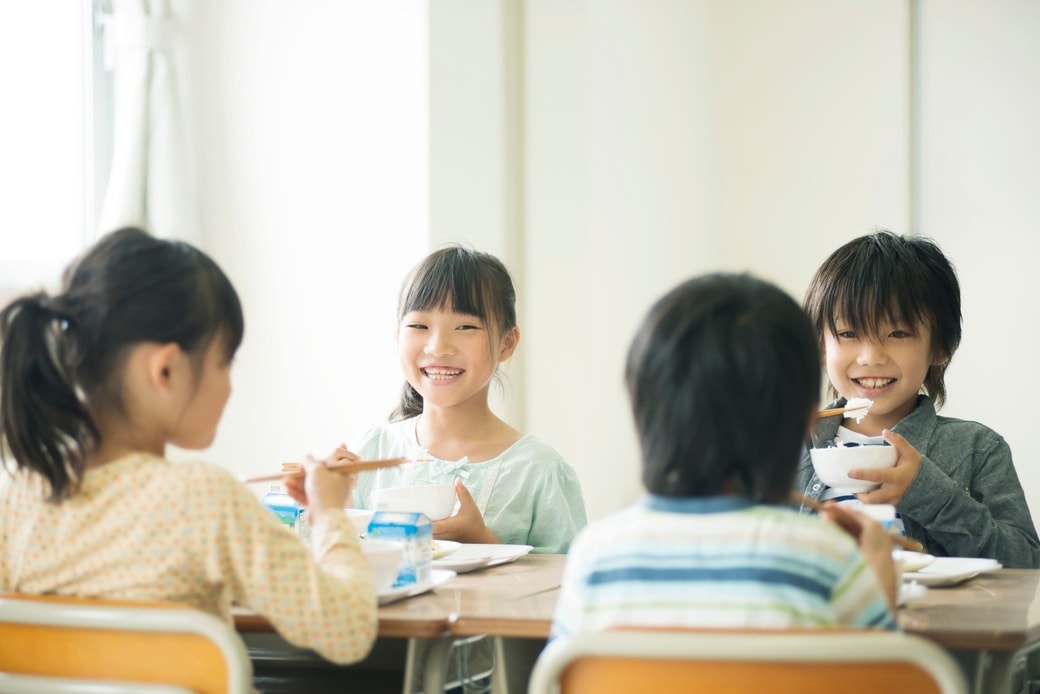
966	500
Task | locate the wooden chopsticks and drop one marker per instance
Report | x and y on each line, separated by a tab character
831	411
296	469
901	541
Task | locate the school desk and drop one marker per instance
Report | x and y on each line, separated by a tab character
991	622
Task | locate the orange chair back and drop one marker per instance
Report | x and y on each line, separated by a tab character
122	652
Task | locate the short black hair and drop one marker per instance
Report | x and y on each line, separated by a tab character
883	277
723	377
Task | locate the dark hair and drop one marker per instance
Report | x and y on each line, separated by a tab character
462	280
723	377
61	355
883	277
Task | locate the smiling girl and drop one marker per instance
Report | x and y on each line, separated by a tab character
456	324
887	311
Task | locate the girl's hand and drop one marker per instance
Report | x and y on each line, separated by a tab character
875	544
894	480
320	488
467	525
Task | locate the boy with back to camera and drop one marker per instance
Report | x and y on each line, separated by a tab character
723	378
887	312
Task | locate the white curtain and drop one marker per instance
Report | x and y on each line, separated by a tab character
152	183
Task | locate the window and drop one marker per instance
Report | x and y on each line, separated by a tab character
46	185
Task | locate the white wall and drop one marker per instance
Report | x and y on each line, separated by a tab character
606	149
663	139
981	149
314	182
667	139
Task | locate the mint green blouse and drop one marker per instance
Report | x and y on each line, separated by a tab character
528	495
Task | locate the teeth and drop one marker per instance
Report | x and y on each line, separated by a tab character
874	382
436	374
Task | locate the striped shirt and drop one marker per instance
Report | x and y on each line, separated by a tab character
720	562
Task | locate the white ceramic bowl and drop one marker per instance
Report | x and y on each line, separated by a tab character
360	517
435	500
385	557
832	464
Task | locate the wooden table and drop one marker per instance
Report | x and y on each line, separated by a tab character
994	617
512	603
512	600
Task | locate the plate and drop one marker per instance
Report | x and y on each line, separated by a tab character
470	557
442	548
912	561
949	571
437	577
908	592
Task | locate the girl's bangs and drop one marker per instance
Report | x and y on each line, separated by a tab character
434	288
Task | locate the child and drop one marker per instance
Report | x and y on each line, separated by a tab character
723	378
887	312
133	354
456	323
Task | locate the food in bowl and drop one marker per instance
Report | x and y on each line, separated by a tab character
385	558
832	464
436	501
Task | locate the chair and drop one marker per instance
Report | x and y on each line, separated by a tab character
741	662
69	645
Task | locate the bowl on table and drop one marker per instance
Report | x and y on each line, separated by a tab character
437	501
832	464
385	557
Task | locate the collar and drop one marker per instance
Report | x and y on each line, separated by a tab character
698	504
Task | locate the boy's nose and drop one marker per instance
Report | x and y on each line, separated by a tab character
871	352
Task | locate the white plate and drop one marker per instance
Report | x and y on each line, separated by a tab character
437	577
442	548
912	561
949	571
908	592
470	557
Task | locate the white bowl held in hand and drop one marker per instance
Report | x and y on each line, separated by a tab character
385	557
832	464
360	517
435	500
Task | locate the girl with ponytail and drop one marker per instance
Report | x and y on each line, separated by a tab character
131	355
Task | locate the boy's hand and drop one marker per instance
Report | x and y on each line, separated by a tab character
894	480
875	544
467	525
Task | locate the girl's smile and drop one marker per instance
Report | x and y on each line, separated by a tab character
450	358
441	374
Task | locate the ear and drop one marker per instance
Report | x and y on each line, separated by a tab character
508	343
163	363
940	359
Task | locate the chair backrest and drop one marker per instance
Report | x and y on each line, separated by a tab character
59	644
738	662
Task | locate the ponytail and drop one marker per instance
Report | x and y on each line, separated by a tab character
43	420
61	358
411	404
